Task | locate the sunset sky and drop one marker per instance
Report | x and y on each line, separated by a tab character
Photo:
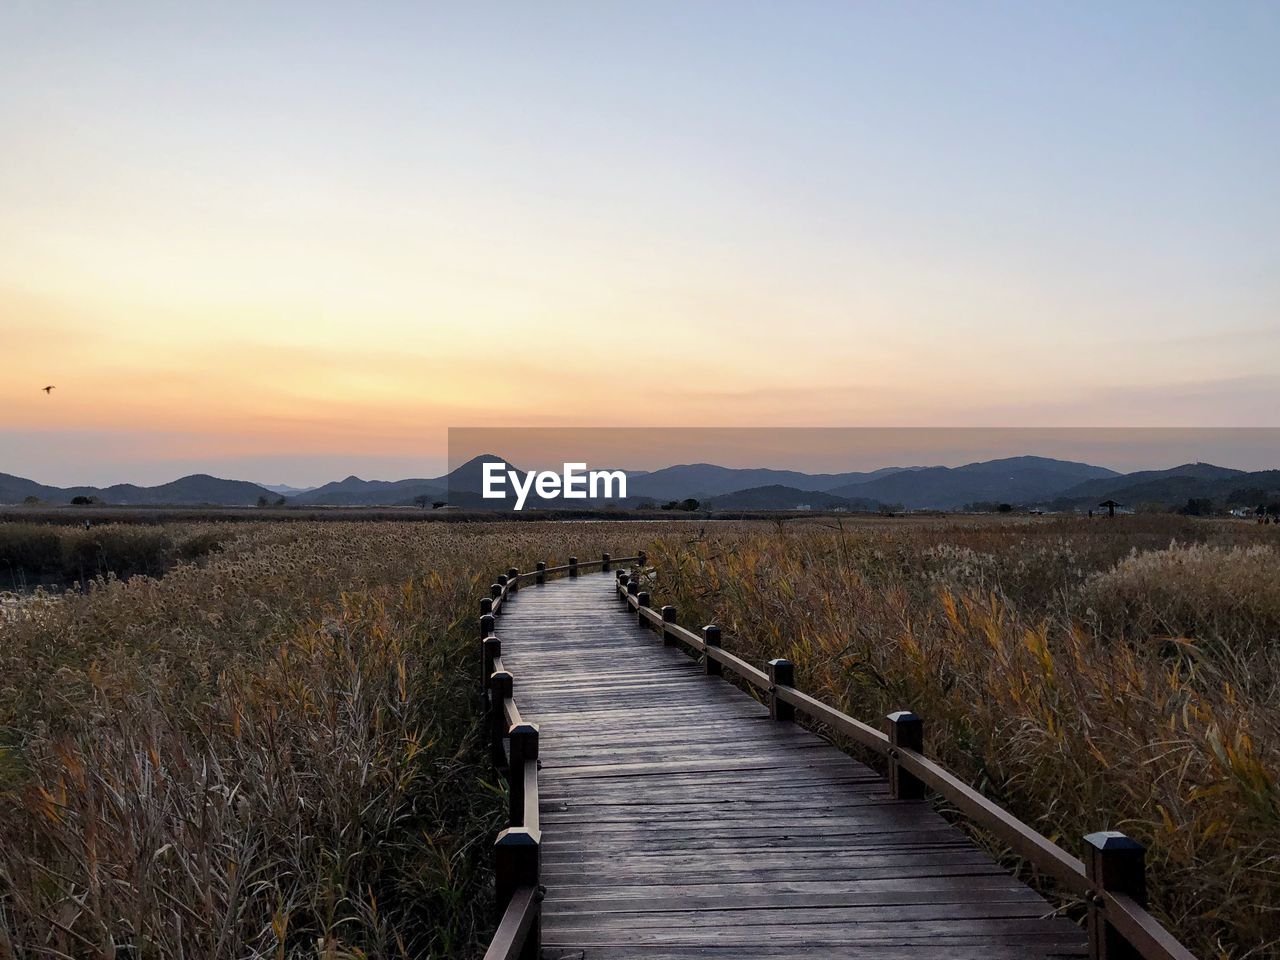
290	242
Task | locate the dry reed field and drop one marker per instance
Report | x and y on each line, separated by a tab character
264	742
1087	675
269	751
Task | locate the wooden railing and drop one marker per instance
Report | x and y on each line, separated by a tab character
513	746
1111	882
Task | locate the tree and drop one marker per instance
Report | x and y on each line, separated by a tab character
1197	507
1005	508
437	504
422	500
31	501
689	504
262	501
279	501
83	501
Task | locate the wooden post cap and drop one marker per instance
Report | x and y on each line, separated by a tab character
782	673
516	862
502	684
524	742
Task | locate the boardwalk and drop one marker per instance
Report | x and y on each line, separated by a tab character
679	821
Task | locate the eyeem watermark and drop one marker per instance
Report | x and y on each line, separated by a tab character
575	482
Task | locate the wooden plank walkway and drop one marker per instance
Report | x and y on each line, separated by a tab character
679	821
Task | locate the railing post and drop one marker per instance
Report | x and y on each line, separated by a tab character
490	650
782	673
516	864
711	637
668	616
604	562
906	732
573	566
1115	864
500	688
495	591
486	605
524	749
642	603
542	572
633	587
641	559
487	624
513	577
621	584
502	579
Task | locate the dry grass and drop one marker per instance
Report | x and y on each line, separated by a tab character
33	554
1087	675
271	752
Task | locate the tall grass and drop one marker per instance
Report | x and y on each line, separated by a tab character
267	754
272	752
1087	676
44	554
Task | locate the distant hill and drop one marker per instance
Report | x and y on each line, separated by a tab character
16	489
462	486
1025	480
196	490
703	481
1225	486
1109	486
354	492
778	497
286	490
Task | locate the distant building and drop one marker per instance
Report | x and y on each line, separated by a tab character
802	506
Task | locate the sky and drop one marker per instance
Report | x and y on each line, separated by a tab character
291	242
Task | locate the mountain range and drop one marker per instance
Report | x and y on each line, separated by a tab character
1020	481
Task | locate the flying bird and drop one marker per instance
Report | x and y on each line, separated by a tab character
48	389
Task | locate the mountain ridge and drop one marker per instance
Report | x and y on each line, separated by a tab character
1024	481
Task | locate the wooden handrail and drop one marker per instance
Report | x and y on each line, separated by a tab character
1141	929
582	565
1113	912
833	719
513	930
1035	847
